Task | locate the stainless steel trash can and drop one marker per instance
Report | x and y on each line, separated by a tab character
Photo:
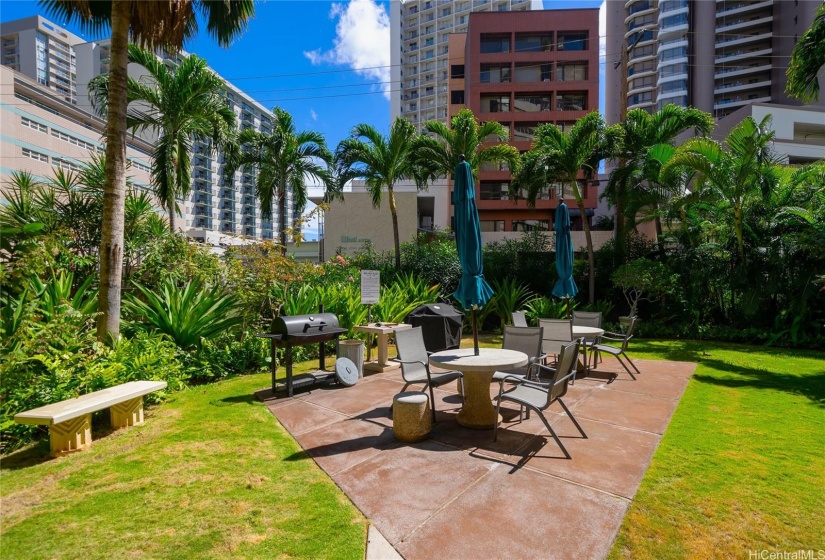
354	350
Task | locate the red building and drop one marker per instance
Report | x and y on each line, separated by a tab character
525	69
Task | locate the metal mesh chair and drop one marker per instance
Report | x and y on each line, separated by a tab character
589	319
539	396
415	364
557	333
618	351
519	319
527	340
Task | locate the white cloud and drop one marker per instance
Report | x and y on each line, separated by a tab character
313	114
362	41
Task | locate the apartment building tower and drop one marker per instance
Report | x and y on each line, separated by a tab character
214	203
38	48
716	56
419	36
526	69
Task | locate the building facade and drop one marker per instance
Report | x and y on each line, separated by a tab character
523	70
42	131
715	56
214	204
419	37
38	48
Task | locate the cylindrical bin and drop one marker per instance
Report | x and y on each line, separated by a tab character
354	350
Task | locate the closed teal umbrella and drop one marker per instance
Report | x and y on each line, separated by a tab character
473	291
565	286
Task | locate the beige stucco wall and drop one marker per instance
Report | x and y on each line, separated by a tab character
348	224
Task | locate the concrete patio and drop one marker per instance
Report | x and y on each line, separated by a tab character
459	495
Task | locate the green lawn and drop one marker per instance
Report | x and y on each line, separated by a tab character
209	475
742	464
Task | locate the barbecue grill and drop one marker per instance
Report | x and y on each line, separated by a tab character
301	330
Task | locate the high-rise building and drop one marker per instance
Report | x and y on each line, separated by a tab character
419	36
716	56
523	70
38	48
50	55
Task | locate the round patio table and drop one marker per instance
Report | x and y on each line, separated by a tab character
478	411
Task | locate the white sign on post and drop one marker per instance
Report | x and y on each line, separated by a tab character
370	286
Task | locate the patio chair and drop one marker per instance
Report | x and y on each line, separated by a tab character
519	319
415	364
623	339
589	319
539	396
557	333
527	340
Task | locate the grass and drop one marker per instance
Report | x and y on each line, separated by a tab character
205	477
742	465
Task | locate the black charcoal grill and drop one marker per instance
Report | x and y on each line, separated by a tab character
301	330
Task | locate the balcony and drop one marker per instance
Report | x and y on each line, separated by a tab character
738	40
741	100
744	23
739	85
728	10
742	54
743	70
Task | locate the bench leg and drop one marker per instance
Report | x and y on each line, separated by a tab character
71	435
128	413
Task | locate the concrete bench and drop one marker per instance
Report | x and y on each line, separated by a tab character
70	421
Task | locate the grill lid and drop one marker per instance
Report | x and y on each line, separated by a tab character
318	323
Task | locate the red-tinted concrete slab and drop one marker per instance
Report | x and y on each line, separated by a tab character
631	410
524	514
612	459
300	416
343	444
679	369
652	384
358	398
402	487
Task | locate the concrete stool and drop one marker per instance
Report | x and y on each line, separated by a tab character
411	419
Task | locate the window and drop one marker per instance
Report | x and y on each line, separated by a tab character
670	54
495	103
571	102
534	72
645	97
572	41
565	126
534	42
457	97
491	225
33	125
647	81
531	225
137	165
533	102
639	67
675	85
526	131
495	43
570	72
494	190
72	140
457	71
494	166
65	164
639	52
673	70
494	74
35	155
673	21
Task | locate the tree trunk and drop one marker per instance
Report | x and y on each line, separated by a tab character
394	212
591	264
114	188
172	215
619	224
737	224
282	213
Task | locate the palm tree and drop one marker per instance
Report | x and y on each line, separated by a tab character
284	159
153	24
178	105
562	157
627	189
807	59
728	179
381	161
436	152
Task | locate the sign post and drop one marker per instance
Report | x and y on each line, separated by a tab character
370	294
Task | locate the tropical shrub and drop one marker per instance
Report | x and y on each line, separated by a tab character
644	277
186	314
548	308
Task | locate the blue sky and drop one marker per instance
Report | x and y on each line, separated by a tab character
327	63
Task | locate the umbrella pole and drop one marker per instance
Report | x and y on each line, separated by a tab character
475	332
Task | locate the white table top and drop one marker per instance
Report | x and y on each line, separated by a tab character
384	328
489	359
587	331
